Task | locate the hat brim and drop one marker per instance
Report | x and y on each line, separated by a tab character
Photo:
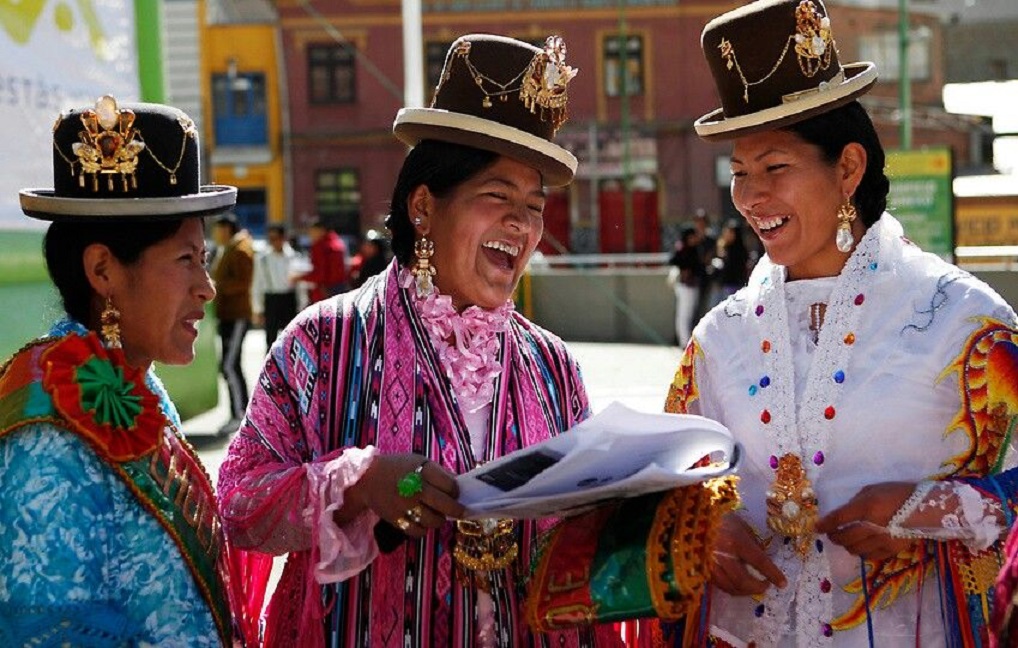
44	205
556	165
859	79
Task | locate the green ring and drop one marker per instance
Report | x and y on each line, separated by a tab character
410	484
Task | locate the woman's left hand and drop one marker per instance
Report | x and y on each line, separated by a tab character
860	526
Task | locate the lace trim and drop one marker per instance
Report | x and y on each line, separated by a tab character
467	343
949	511
805	431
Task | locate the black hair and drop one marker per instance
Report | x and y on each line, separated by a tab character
832	131
230	221
64	248
276	228
439	166
686	232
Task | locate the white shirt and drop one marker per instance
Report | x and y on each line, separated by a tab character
272	274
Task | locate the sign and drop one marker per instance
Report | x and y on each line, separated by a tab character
921	197
55	55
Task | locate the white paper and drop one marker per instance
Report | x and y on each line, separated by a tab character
617	453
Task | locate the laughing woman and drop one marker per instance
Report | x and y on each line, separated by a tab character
108	524
371	402
851	358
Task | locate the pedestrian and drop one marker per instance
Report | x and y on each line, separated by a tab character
684	278
274	297
372	402
706	273
371	259
108	525
732	259
870	384
233	274
328	263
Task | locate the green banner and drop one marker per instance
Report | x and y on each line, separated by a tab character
922	198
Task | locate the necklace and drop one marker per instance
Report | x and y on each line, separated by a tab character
816	319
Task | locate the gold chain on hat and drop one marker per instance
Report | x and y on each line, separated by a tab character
503	89
814	44
189	129
544	85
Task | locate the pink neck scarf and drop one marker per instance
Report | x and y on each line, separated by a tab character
467	344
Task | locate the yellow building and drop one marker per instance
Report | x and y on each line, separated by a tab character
241	100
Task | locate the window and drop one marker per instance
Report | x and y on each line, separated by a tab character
617	57
332	77
338	199
434	61
238	104
882	49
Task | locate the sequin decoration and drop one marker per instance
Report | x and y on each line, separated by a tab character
859	299
818	458
839	376
759	310
850	339
765	346
765	381
829	412
765	417
752	390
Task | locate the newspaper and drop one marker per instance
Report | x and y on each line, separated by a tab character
616	454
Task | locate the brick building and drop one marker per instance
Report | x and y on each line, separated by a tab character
642	83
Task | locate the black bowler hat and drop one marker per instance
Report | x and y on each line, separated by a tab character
503	95
775	63
134	163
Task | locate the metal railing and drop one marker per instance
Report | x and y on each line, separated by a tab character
987	257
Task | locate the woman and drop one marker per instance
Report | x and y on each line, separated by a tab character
109	526
733	257
684	278
372	402
851	359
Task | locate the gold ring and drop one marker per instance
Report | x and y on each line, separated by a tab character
415	513
403	524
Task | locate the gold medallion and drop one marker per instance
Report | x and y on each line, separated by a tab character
483	546
792	503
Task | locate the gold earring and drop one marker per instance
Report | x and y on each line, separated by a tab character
423	271
846	214
110	320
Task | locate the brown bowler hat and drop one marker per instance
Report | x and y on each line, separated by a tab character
775	63
503	95
137	162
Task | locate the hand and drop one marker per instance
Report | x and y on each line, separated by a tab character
860	526
377	490
741	565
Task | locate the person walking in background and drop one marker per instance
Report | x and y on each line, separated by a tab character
732	260
707	245
371	258
328	263
684	278
274	298
233	273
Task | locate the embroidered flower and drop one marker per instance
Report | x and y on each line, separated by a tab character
103	398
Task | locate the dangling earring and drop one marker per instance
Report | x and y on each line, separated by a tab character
844	239
110	320
423	271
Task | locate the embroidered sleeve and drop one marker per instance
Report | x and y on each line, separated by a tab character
684	391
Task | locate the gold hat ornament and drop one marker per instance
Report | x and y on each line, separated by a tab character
503	95
134	162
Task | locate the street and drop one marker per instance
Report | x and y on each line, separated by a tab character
633	374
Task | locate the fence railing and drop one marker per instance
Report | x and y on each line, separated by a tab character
987	257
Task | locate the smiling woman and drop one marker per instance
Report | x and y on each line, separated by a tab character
851	357
372	402
124	546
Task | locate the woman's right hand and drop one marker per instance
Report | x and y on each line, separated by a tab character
741	565
378	490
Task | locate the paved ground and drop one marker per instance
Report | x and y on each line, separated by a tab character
637	375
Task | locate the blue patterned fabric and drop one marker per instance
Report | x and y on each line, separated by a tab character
82	562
